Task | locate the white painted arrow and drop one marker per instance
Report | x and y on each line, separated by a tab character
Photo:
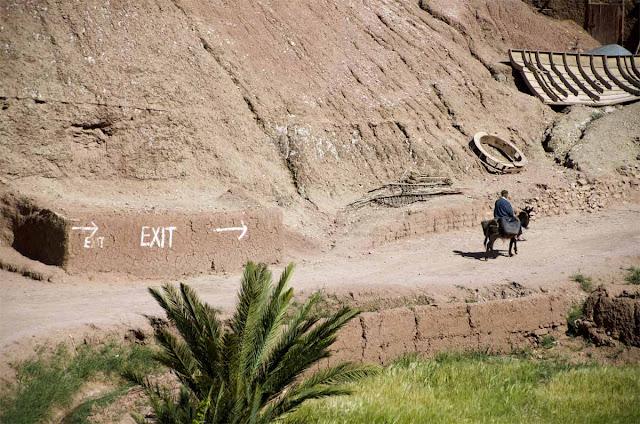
243	230
93	229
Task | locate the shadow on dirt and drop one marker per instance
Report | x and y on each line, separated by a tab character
479	255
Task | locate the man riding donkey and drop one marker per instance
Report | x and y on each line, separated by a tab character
506	224
503	213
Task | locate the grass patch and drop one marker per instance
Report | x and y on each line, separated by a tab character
585	282
548	341
50	380
81	413
575	313
633	275
485	389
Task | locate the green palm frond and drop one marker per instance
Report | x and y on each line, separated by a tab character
177	356
301	322
219	408
203	319
203	409
308	349
289	404
167	409
174	307
254	326
252	280
246	328
346	372
327	382
251	370
273	315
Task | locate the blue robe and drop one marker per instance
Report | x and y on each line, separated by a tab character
502	209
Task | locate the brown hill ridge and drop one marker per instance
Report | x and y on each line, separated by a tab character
273	97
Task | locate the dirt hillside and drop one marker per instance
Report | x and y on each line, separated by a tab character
286	100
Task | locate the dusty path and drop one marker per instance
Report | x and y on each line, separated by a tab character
598	245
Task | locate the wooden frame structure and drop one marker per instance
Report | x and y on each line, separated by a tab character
574	78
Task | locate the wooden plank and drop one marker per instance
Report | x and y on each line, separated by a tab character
517	59
561	76
597	74
541	77
586	77
623	71
634	66
576	80
553	82
619	83
535	87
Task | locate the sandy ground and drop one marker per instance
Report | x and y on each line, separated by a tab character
442	266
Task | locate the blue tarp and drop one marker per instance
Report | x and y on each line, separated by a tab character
610	50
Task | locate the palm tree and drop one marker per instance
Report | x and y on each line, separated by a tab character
252	370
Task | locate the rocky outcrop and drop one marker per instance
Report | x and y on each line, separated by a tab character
612	313
569	128
609	145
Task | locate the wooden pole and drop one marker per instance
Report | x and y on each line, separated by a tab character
638	24
622	19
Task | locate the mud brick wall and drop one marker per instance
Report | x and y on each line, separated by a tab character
499	326
169	244
421	222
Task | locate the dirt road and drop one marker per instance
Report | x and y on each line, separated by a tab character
598	245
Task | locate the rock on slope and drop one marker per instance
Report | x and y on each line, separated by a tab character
612	312
609	145
600	142
281	98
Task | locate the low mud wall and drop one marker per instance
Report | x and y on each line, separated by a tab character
499	326
582	196
150	244
170	244
416	223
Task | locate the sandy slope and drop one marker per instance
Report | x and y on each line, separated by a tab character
287	100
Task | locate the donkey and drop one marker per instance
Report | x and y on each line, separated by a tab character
492	232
